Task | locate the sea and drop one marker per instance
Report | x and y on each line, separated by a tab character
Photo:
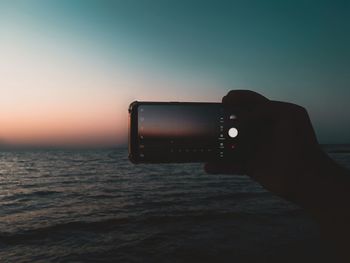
95	206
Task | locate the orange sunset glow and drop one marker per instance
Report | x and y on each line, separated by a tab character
61	91
47	100
71	99
67	78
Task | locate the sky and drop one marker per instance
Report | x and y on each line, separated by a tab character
69	69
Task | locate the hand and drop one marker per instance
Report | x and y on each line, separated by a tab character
287	149
287	160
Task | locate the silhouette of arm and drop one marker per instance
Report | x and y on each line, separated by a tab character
288	161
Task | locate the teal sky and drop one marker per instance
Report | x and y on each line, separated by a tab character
87	56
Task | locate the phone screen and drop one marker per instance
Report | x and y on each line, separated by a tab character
181	131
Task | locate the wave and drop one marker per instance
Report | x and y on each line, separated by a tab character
198	217
14	238
45	193
8	238
143	220
237	196
29	195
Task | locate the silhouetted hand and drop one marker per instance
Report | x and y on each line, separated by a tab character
286	149
287	160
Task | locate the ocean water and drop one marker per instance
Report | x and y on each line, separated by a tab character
95	206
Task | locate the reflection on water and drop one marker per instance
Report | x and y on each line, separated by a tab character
95	205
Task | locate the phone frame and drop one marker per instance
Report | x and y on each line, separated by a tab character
133	144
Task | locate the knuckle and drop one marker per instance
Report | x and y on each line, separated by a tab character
301	110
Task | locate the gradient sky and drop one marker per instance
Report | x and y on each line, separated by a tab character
69	69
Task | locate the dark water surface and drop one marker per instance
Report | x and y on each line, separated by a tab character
88	206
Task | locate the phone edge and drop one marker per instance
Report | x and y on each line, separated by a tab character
132	133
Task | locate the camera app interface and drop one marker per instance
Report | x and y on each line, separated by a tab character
177	131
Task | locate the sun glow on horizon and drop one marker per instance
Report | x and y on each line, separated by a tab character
70	69
48	98
53	93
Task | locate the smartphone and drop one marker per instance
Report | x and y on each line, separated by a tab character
179	132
